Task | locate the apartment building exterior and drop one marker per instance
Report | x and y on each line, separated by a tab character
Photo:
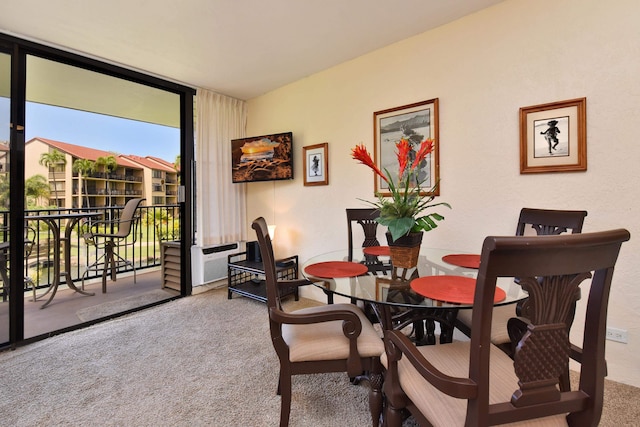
132	176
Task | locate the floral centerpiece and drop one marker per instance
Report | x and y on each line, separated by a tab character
401	213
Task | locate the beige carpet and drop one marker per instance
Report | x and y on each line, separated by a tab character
197	361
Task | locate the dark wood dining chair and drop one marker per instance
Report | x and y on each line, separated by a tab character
539	222
366	217
473	383
321	339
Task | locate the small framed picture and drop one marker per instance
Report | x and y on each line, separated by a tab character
316	164
415	123
553	137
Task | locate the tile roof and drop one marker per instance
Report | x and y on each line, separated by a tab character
164	162
148	162
91	153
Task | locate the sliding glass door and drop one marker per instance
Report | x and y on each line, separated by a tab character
94	137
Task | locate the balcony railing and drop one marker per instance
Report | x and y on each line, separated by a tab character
158	223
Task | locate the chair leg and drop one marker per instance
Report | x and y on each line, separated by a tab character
392	417
375	396
113	261
109	264
285	398
29	282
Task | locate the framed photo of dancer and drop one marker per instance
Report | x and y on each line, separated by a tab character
553	137
415	123
316	165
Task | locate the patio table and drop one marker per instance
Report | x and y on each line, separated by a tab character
53	222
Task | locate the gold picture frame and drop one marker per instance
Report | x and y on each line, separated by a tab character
414	122
315	159
553	137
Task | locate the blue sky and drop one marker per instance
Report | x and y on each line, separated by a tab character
107	133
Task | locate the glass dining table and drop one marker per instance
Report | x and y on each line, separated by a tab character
433	292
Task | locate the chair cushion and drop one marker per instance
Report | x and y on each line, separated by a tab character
326	341
453	359
501	315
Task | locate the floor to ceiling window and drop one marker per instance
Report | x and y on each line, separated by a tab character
95	137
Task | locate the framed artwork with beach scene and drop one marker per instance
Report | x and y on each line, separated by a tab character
262	158
316	166
553	137
415	123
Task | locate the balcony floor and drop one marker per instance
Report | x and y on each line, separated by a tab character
64	309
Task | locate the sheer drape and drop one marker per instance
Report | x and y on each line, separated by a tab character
221	205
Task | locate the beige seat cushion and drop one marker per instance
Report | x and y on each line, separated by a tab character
453	360
501	315
326	341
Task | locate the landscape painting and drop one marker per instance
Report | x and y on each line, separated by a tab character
262	158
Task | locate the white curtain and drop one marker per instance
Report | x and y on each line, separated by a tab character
221	205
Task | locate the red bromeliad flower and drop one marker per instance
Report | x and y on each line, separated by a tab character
403	156
426	147
361	154
401	210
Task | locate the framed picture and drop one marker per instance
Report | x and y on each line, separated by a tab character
316	164
415	123
262	158
553	137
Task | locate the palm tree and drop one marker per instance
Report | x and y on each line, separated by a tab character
176	166
50	160
5	190
84	167
37	187
108	164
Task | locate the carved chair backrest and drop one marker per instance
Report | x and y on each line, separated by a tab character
550	221
366	217
545	222
551	269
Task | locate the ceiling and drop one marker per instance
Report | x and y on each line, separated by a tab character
240	48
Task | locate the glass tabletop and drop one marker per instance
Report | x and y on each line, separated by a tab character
382	284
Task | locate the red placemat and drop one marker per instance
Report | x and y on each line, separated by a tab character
455	289
463	260
377	250
335	269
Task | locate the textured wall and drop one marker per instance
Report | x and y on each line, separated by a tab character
483	68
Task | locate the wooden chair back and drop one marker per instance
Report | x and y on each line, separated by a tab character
550	221
366	217
551	269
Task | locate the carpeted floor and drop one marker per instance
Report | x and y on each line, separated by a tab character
197	361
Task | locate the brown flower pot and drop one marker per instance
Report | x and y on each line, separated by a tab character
405	250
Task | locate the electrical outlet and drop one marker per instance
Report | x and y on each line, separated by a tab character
615	334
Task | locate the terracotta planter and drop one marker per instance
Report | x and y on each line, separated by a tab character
405	250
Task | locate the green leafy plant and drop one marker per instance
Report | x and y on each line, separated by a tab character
401	212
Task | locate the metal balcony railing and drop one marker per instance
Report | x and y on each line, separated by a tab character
158	223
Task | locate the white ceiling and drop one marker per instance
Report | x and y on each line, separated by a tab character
240	48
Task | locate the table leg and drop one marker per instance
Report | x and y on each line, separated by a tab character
55	229
423	320
67	258
58	241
